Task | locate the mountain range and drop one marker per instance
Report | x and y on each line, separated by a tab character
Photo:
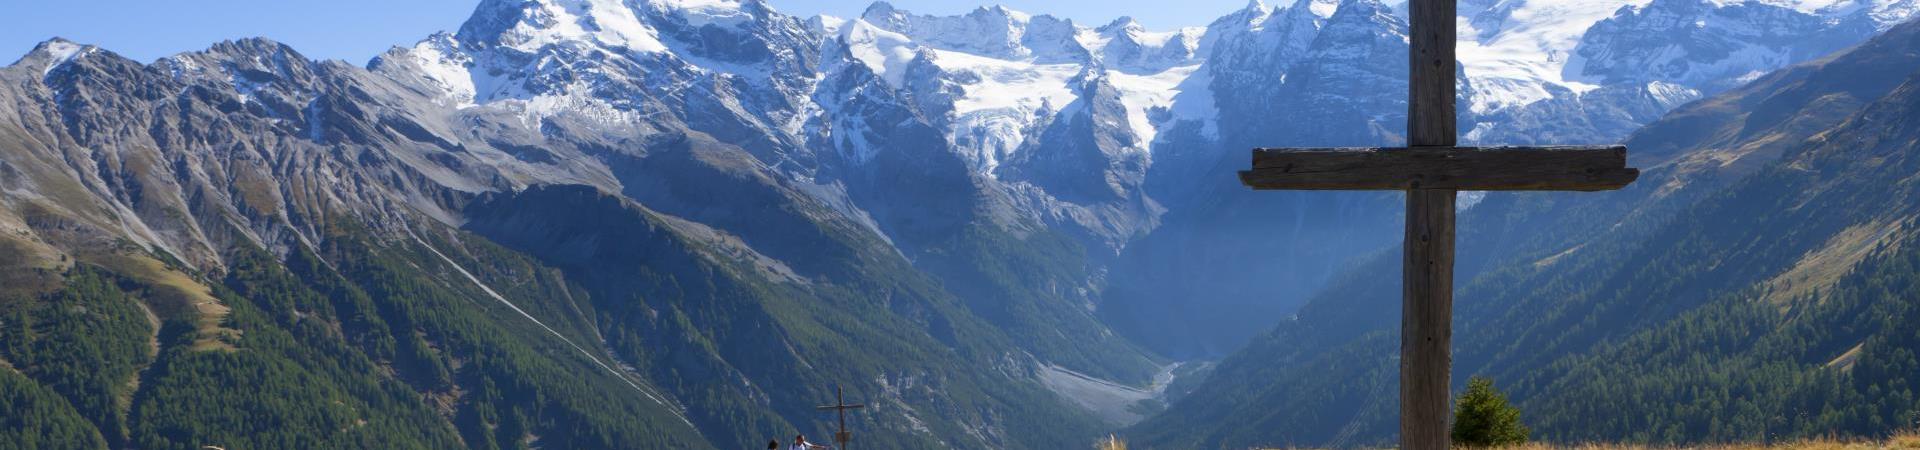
1755	284
681	223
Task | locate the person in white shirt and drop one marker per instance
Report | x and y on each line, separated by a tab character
800	443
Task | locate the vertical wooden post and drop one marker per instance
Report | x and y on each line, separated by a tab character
841	437
840	407
1426	327
1430	118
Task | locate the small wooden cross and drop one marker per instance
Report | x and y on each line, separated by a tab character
1432	170
840	406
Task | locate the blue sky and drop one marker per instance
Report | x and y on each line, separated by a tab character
355	30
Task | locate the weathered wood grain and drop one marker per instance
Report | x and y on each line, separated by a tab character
1426	321
1566	168
1426	328
1430	117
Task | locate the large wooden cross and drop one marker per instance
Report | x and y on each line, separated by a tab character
840	406
1432	169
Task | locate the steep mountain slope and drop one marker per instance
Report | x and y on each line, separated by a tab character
1539	61
829	136
308	218
1743	263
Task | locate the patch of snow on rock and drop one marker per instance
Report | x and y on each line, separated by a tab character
60	52
1514	66
441	61
1002	98
725	13
1146	96
884	52
557	22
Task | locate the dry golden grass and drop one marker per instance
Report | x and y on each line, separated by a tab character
175	295
1903	441
1823	267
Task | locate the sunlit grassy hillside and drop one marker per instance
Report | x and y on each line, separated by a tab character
1910	440
1907	441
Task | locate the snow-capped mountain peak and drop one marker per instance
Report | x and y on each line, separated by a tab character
1717	45
1127	45
441	61
1021	98
529	25
1516	49
1519	52
1253	14
54	53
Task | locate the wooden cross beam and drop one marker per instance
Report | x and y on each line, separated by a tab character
1569	168
1432	170
840	406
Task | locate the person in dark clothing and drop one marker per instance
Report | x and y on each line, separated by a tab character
773	444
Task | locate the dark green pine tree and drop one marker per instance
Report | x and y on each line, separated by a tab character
1483	418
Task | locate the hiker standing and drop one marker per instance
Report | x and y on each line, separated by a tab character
800	443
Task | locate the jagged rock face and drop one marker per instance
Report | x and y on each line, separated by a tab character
736	71
1708	46
1519	53
889	141
995	32
1128	46
1351	75
1014	95
1254	51
1591	116
252	142
1074	142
